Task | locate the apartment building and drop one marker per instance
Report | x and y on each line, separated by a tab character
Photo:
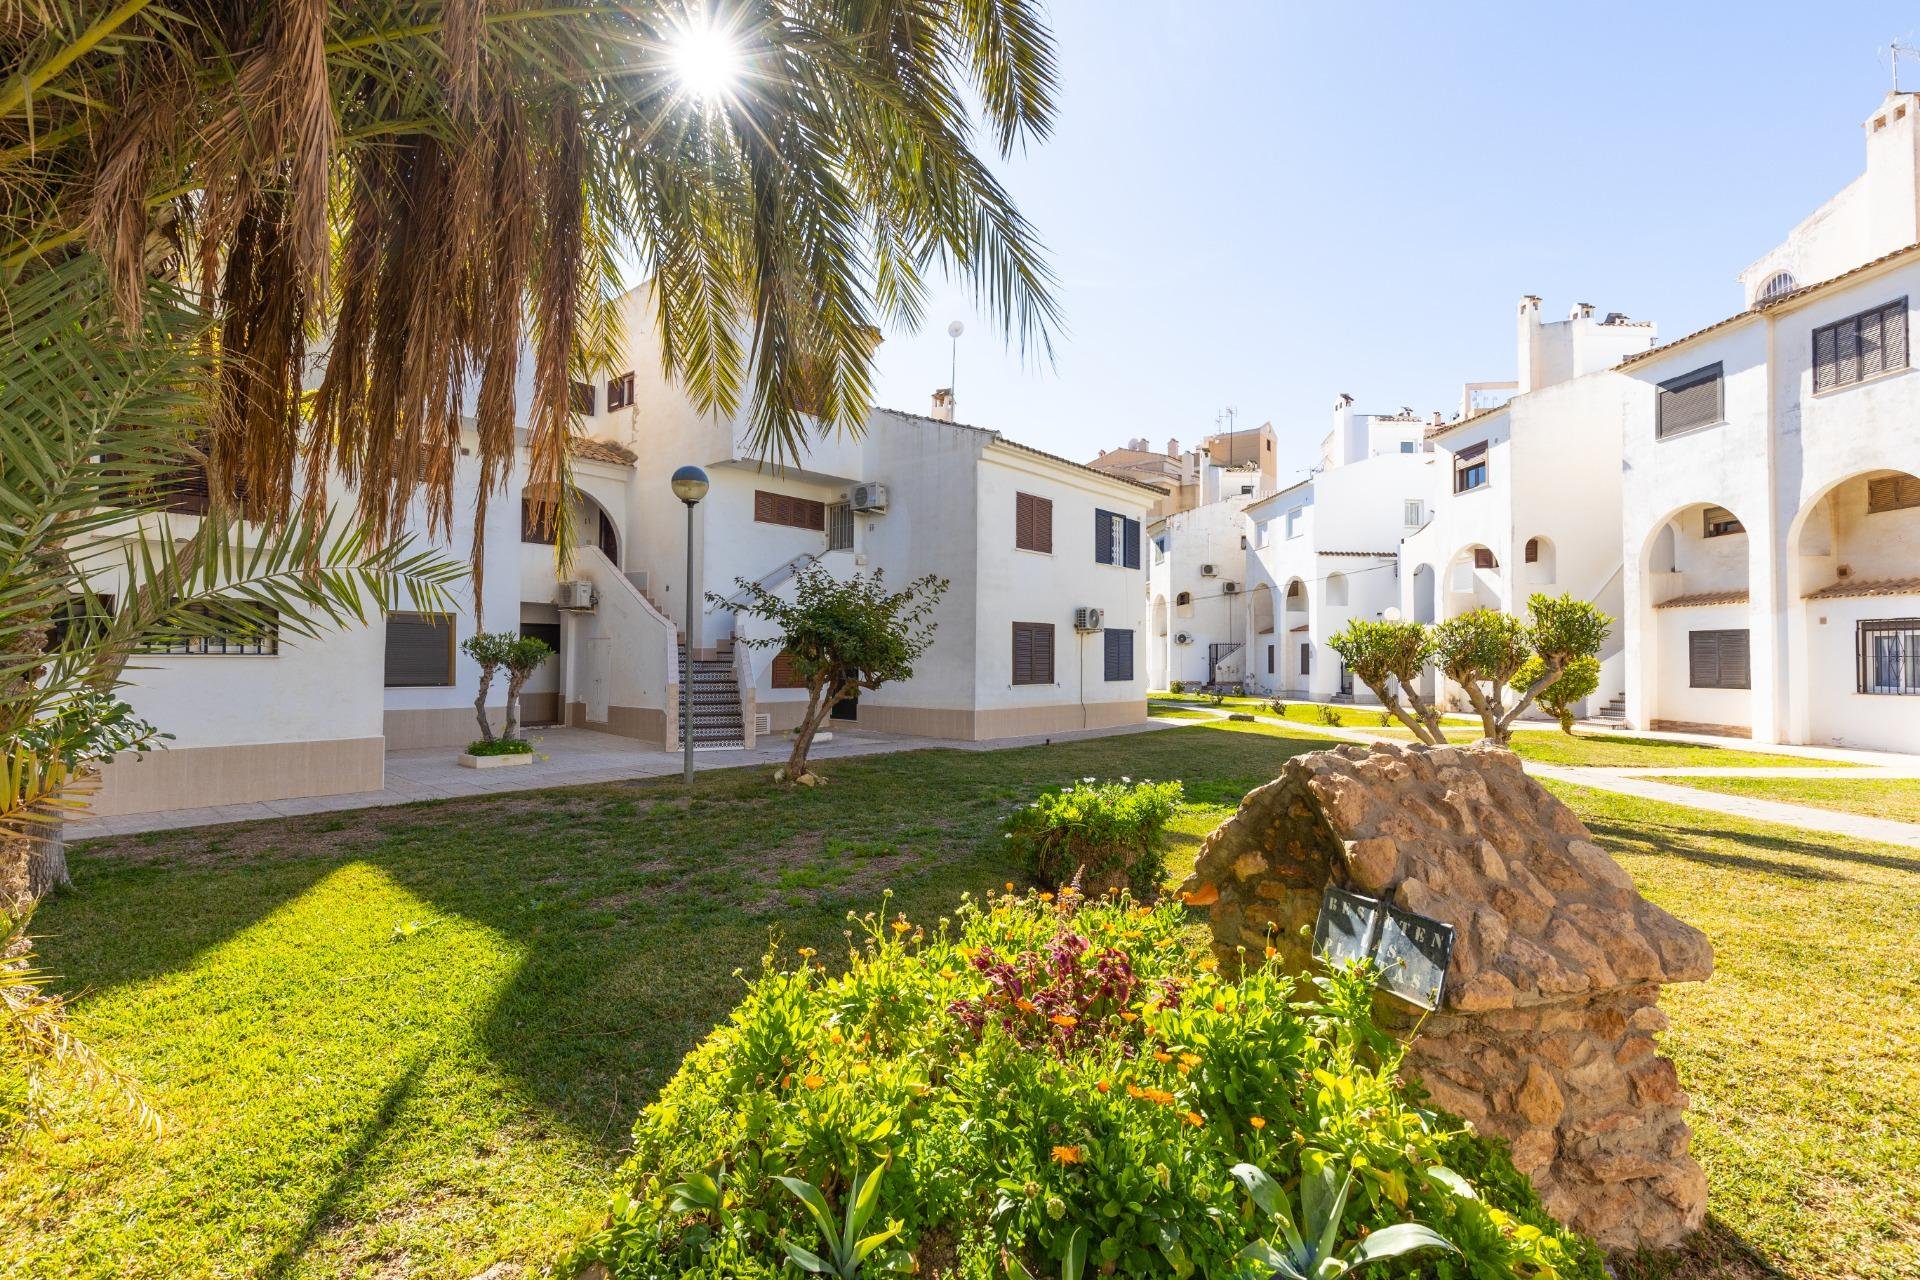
1772	517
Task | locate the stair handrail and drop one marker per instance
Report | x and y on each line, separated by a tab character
766	582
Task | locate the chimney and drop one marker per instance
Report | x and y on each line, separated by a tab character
1436	419
943	404
1173	448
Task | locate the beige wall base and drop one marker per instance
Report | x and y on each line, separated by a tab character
1690	726
437	727
968	725
540	708
646	724
196	777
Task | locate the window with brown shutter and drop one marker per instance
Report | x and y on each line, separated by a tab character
1891	493
619	392
786	509
1533	551
1033	524
1719	522
1718	660
419	650
1470	467
784	675
1483	559
1691	400
1033	653
1860	347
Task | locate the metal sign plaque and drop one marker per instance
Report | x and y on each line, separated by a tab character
1347	927
1412	956
1410	952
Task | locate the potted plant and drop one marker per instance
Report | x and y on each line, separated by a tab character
520	656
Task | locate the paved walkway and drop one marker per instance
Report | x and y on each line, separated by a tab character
565	758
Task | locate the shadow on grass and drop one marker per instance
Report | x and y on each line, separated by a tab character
1691	842
1715	1252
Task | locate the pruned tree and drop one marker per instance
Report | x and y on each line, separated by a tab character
1578	681
519	656
1485	652
841	635
1389	657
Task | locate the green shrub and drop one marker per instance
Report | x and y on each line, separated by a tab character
1176	686
1328	715
1278	708
1030	1087
1107	833
500	747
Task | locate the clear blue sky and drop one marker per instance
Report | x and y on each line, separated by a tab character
1264	205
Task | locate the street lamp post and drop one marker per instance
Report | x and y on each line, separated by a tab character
689	485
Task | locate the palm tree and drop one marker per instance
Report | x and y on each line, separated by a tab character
439	185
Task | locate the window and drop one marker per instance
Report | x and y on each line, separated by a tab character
786	509
1033	524
1184	599
1306	658
548	633
609	539
783	674
1891	493
1406	446
840	526
1246	491
1717	659
1860	347
1696	399
1293	523
580	396
1160	548
619	392
1033	653
1119	654
1269	659
419	651
1889	656
1116	539
1533	551
537	521
1483	558
1780	282
1470	467
1719	522
261	641
1413	513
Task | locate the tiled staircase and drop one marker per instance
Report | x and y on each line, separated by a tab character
1616	710
716	704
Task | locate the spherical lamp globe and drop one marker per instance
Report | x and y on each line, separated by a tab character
689	484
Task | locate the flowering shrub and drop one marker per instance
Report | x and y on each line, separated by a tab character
1038	1084
1106	833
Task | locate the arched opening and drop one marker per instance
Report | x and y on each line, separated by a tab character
1537	562
1336	590
592	526
1261	607
1472	581
1183	604
1853	671
1159	615
1699	632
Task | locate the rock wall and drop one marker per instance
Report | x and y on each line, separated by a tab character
1544	1035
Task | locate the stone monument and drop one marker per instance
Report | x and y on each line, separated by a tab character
1544	1029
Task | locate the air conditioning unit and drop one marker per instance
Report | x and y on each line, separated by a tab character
1086	618
870	497
1229	588
574	594
1183	637
1207	571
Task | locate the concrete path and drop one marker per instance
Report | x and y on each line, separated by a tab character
564	758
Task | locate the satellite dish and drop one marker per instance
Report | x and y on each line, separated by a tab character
955	329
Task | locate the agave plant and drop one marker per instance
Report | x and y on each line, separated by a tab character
845	1248
1310	1250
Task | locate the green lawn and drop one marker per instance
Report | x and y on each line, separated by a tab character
412	1040
1895	798
1613	751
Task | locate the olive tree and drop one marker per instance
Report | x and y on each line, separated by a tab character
1487	652
519	656
1388	658
841	635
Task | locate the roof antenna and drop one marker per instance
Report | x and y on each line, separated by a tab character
1896	51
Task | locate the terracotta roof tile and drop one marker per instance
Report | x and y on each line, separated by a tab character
602	451
1867	587
1738	596
1368	555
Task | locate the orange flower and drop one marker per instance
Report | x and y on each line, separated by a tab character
1129	1015
1219	1006
1066	1155
1258	1122
1272	952
1009	886
1159	1096
1161	1055
1064	1020
1193	1118
1102	1086
901	926
814	1082
1190	1059
808	953
1046	897
1025	1005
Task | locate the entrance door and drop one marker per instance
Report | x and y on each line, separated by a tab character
1346	681
846	709
1216	654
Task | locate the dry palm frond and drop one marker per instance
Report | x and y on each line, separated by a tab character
38	1048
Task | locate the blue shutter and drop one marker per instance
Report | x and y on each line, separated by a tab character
1102	536
1132	544
1119	655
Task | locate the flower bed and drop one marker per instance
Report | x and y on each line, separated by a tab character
1027	1086
1107	834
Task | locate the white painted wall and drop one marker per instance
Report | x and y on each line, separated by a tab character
1206	535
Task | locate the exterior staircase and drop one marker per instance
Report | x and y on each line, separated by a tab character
716	703
1615	710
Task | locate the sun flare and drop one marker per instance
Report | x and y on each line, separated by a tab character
707	61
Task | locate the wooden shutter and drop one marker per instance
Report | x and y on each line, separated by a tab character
1734	660
1306	658
1893	335
419	651
790	510
1032	522
1483	559
1033	653
1533	551
1130	545
1718	660
1692	400
1103	536
1119	654
1891	493
783	675
1826	362
1470	452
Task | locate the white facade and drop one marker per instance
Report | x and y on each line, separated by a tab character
1197	591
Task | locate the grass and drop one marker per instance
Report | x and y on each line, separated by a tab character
1895	798
1615	751
412	1040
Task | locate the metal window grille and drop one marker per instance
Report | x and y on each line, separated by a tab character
840	527
262	641
1887	654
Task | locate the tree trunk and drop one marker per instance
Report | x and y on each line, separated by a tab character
33	863
47	860
480	704
818	709
516	680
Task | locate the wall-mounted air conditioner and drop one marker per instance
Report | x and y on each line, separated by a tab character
1229	588
574	594
1207	571
870	497
1183	637
1086	618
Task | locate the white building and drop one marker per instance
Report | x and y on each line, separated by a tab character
1028	542
1525	496
1197	587
1772	515
1325	551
